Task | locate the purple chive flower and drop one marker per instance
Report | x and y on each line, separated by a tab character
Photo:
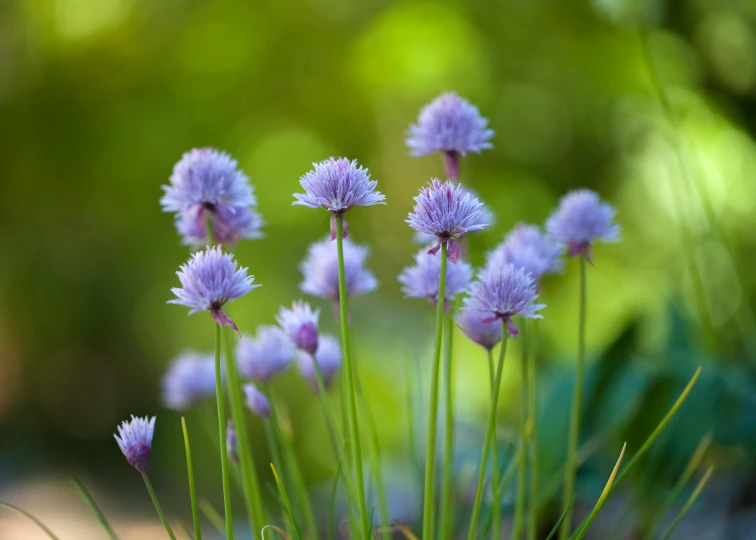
421	279
321	270
301	325
485	218
528	248
265	355
135	440
446	211
256	401
486	334
501	292
190	377
328	357
209	280
207	183
452	125
338	184
580	219
232	443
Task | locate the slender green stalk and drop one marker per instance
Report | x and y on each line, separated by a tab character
602	498
561	518
192	490
690	502
690	468
532	329
447	504
94	508
212	515
496	487
275	453
26	514
430	455
332	504
252	496
349	373
577	399
490	433
524	437
286	502
159	508
225	472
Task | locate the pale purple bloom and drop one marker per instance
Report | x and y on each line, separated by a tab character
580	219
486	334
190	377
452	125
421	280
207	183
209	280
230	225
528	248
321	270
485	218
232	442
301	325
256	401
446	211
501	292
328	357
338	184
135	440
265	355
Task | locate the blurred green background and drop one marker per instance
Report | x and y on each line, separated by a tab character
99	98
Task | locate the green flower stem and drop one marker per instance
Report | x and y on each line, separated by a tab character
430	456
447	506
495	484
225	472
192	490
570	469
490	433
354	432
524	437
690	502
159	509
27	515
532	329
252	496
94	508
286	503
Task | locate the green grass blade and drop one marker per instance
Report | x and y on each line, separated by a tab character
79	486
212	515
190	474
279	530
286	502
602	498
691	500
26	514
561	519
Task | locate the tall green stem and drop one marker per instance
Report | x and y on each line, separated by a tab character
532	328
522	470
225	472
495	484
571	466
490	435
349	372
430	455
192	490
159	508
447	505
252	496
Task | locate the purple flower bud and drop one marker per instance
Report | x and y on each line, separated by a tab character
328	357
209	280
337	185
446	211
135	440
321	270
301	325
265	355
528	248
581	219
256	401
501	292
190	377
452	125
486	334
232	443
421	280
